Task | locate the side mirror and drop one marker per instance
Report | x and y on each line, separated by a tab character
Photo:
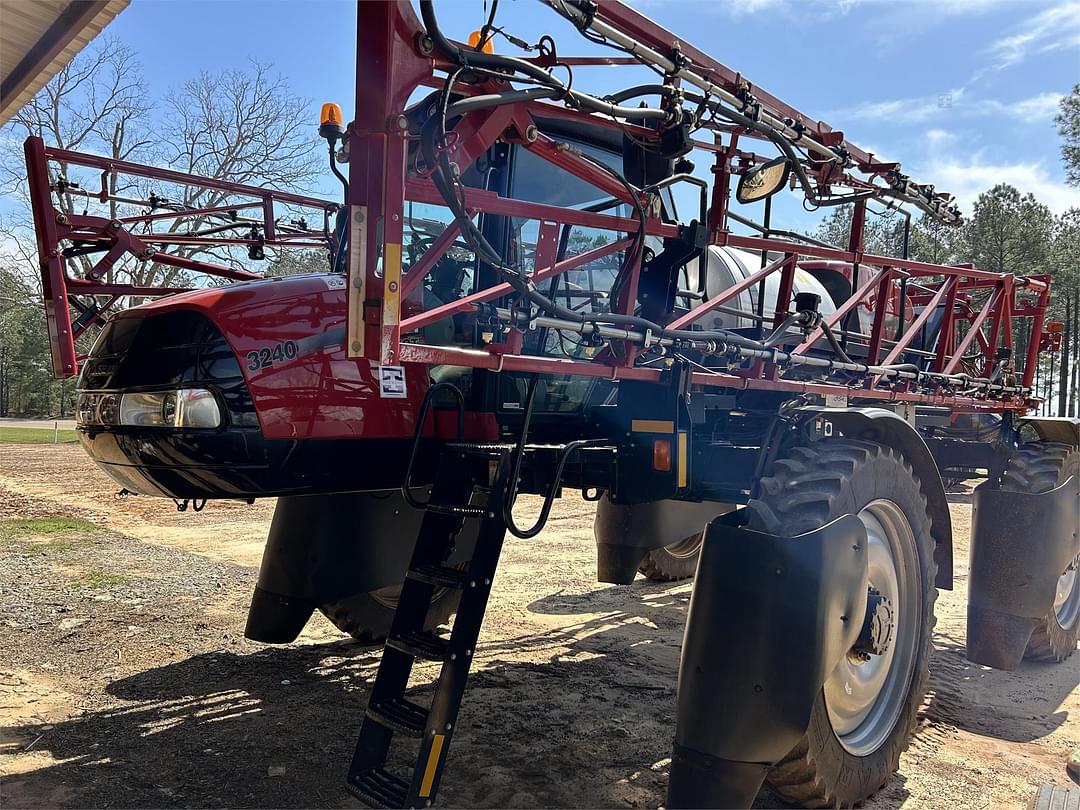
764	181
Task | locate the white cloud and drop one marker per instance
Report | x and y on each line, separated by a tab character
940	137
950	104
1042	106
969	178
1052	29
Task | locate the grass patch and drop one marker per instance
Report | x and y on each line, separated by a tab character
59	533
42	435
21	527
100	579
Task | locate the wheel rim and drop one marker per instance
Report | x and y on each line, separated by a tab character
1067	598
687	547
864	698
389	595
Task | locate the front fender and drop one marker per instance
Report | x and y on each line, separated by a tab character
769	618
322	548
625	532
885	427
1064	429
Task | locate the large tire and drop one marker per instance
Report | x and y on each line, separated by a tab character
674	562
367	616
1039	467
853	744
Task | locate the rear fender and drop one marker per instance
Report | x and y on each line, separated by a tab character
322	548
769	618
1063	429
887	428
1020	544
625	532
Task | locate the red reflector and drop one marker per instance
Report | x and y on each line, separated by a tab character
661	455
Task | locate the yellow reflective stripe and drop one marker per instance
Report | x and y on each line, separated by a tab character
683	460
432	765
357	277
652	426
391	284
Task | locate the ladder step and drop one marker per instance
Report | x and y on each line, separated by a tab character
420	644
439	575
377	788
455	510
399	714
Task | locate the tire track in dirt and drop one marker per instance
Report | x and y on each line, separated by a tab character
572	703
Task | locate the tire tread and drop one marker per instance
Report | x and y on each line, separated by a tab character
800	494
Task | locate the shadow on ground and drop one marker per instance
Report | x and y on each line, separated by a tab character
976	698
276	727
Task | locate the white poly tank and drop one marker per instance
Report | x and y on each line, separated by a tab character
726	267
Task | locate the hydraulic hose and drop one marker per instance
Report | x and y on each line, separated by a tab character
522	284
474	103
498	61
778	335
638	91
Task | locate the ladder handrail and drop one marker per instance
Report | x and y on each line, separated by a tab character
418	434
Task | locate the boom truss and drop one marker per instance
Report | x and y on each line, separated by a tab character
704	105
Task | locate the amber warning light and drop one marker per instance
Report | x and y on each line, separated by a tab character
330	122
474	40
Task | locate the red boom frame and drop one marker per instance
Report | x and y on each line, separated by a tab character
55	227
391	64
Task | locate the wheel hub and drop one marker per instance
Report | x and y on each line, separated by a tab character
866	692
878	626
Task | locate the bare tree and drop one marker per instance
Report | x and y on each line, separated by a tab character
241	126
96	103
238	126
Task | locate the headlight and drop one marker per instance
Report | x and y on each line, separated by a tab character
197	408
181	408
146	409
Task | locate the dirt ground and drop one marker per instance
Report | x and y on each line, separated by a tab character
125	680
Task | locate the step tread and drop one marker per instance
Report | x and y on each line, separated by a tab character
399	714
420	644
439	575
379	788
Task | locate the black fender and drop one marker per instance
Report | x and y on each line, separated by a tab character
769	618
624	532
322	548
885	427
1064	429
1020	544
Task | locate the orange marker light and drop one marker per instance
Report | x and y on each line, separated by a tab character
331	114
661	455
331	122
474	40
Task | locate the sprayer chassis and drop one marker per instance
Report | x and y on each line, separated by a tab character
685	431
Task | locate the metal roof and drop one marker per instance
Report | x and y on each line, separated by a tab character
39	37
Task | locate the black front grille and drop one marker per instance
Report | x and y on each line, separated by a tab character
177	349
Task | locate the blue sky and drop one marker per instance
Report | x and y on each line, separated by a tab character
961	91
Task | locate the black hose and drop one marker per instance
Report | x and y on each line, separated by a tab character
639	90
491	60
473	103
444	181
